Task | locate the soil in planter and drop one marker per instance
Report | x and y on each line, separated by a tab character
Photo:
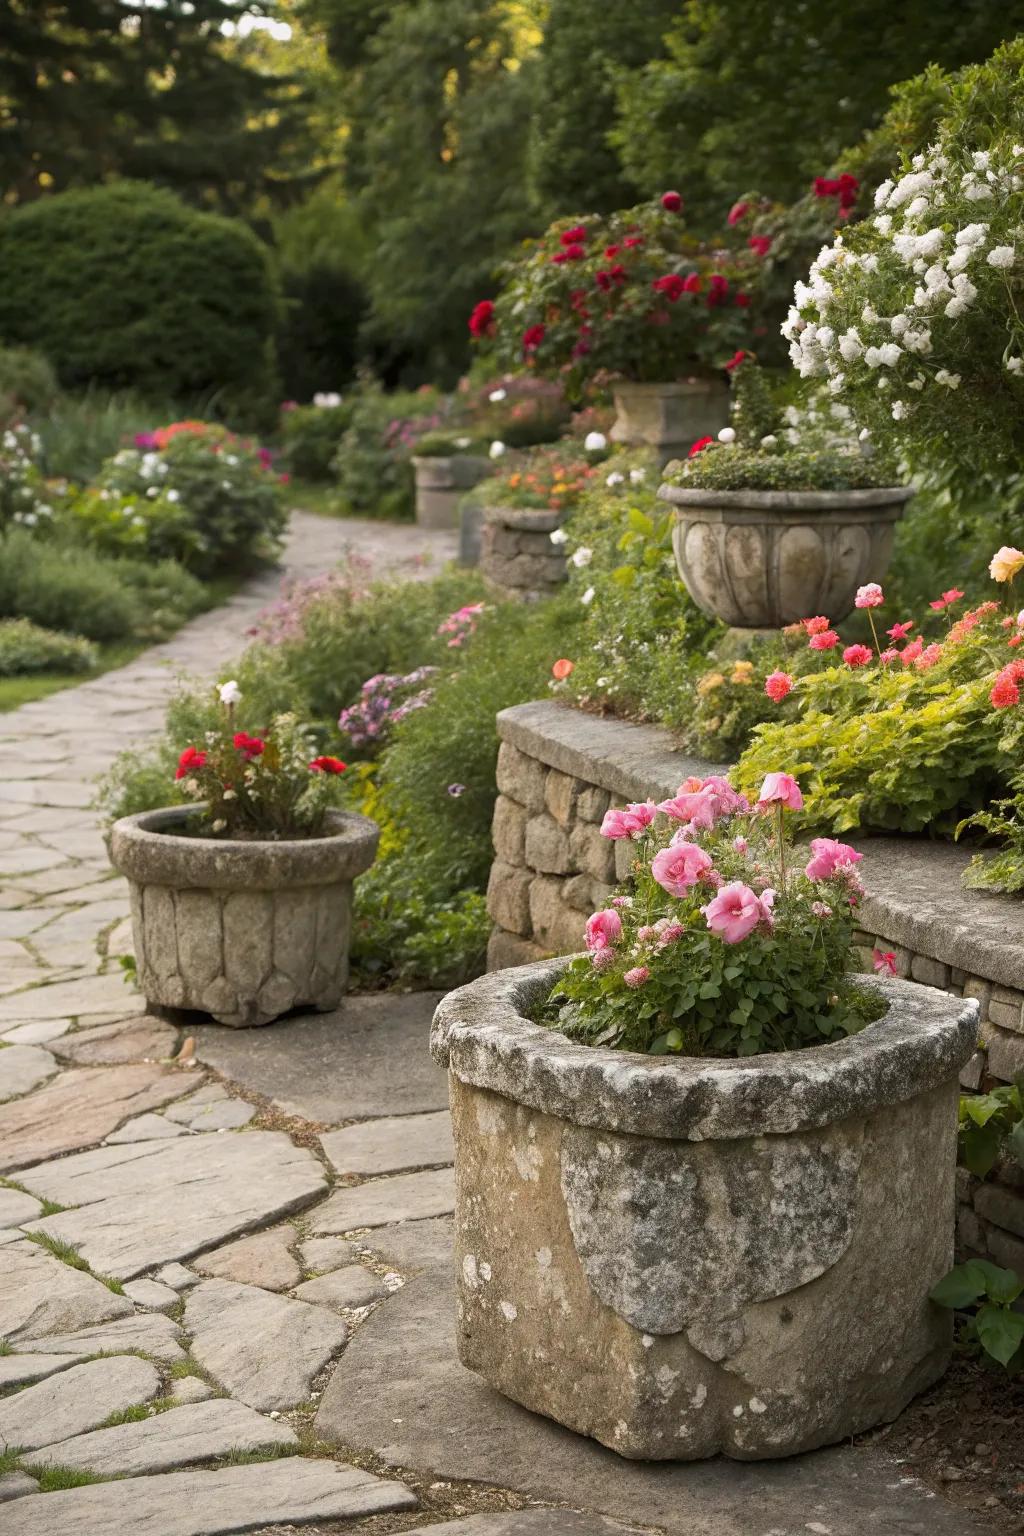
963	1438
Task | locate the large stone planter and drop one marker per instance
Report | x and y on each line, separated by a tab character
441	484
670	417
516	553
685	1257
762	559
241	930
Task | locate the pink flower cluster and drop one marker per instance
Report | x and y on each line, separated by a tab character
383	701
461	624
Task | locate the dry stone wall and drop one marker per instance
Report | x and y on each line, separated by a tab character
559	770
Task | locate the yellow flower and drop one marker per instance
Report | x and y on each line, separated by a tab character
1005	563
710	681
743	672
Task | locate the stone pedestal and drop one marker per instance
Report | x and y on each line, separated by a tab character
517	555
670	417
441	484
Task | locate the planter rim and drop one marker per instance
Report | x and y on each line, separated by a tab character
145	849
479	1033
526	519
448	458
690	385
794	501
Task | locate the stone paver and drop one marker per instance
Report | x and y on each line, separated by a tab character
79	1108
291	1491
375	1204
211	1109
75	1401
17	1208
145	1128
19	1370
391	1145
177	1438
263	1348
150	1332
535	1522
351	1286
325	1253
15	1485
75	999
191	1389
264	1260
151	1295
40	1295
142	1039
22	1068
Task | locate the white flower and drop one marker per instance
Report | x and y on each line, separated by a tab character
594	442
899	410
153	490
836	383
951	380
850	346
173	495
917	207
868	315
917	382
884	223
955	308
581	557
637	476
588	596
863	434
727	435
882	194
326	399
771	441
229	692
496	396
1002	256
230	794
615	478
890	354
1014	364
981	159
463	442
497	449
971	234
558	536
873	357
219	825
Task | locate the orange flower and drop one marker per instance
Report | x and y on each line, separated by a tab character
562	668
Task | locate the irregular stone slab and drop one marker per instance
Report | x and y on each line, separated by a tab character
155	1201
414	1246
40	1295
18	1370
178	1438
20	922
366	1059
80	1108
151	1294
375	1204
352	1286
27	859
14	1485
289	1491
263	1259
149	1332
22	1068
41	1032
191	1389
535	1522
391	1145
75	1401
145	1128
177	1277
71	999
17	1208
326	1253
211	1109
264	1349
141	1039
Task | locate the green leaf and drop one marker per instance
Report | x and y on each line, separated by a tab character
980	1146
640	522
624	575
1017	1142
1001	1284
960	1287
1001	1332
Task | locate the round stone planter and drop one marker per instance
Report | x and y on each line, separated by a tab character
441	484
516	553
670	417
763	559
241	930
685	1257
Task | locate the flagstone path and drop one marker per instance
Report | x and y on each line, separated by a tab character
225	1294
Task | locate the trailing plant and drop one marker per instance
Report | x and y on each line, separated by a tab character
995	1323
1004	870
551	479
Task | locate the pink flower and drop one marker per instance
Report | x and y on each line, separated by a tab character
740	844
736	212
821	909
911	652
781	789
857	655
815	626
604	929
760	244
892	654
901	631
884	961
777	685
947	599
824	640
637	976
734	912
628	823
668	932
602	959
870	596
646	933
671	201
828	858
679	867
928	657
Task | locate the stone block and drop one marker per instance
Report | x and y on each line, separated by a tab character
965	1183
508	897
931	973
971	1074
592	854
970	1234
520	777
592	803
505	950
957	978
977	987
508	830
557	926
1005	1052
1001	1207
524	573
625	858
547	847
561	792
1006	1007
1006	1250
579	893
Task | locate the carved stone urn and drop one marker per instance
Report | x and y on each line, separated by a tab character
763	559
243	930
690	1257
670	417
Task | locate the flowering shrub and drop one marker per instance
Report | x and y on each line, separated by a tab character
630	292
550	478
519	409
25	647
24	498
383	701
310	435
205	497
272	785
373	463
730	943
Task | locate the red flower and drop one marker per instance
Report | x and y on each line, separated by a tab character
824	186
737	211
562	668
824	640
559	257
671	201
573	236
815	626
532	337
778	684
762	244
671	285
900	631
692	283
734	361
631	241
742	301
189	759
857	655
481	321
610	277
884	961
848	187
952	596
574	253
1005	692
249	746
327	765
718	289
611	250
699	446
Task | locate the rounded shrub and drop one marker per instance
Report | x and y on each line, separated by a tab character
28	384
126	286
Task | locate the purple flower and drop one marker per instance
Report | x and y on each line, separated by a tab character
455	790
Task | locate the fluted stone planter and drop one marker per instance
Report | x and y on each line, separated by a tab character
441	484
763	559
516	553
687	1257
670	417
241	930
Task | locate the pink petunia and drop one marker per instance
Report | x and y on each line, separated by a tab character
679	867
734	912
781	789
828	858
629	822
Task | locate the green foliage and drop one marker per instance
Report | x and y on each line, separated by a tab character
403	934
989	1124
24	647
373	463
81	431
27	383
730	467
124	286
55	1479
995	1324
310	436
445	445
323	308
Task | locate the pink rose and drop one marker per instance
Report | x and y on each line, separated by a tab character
781	789
870	596
604	929
827	856
694	807
857	655
679	867
628	823
824	640
734	912
637	976
778	684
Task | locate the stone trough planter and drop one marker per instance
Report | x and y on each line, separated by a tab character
686	1257
441	484
516	553
670	417
763	559
241	930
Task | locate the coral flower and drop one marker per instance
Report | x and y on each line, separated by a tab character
562	668
857	655
781	789
678	867
870	596
604	929
327	765
1005	692
1005	563
825	641
734	912
815	626
777	685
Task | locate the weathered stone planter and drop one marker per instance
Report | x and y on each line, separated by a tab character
517	555
241	930
441	484
670	417
762	559
684	1257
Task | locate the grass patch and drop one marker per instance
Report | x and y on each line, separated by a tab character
9	1458
130	1415
161	1405
322	499
248	1458
109	1281
53	1207
66	1252
57	1479
6	1347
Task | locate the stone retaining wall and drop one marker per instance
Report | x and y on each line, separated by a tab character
517	555
558	772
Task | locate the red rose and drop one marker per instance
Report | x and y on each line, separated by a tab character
610	251
692	283
742	301
671	285
573	236
718	288
734	361
574	253
481	321
532	337
631	241
327	765
249	746
824	186
848	187
671	201
559	257
762	244
189	759
737	211
699	446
